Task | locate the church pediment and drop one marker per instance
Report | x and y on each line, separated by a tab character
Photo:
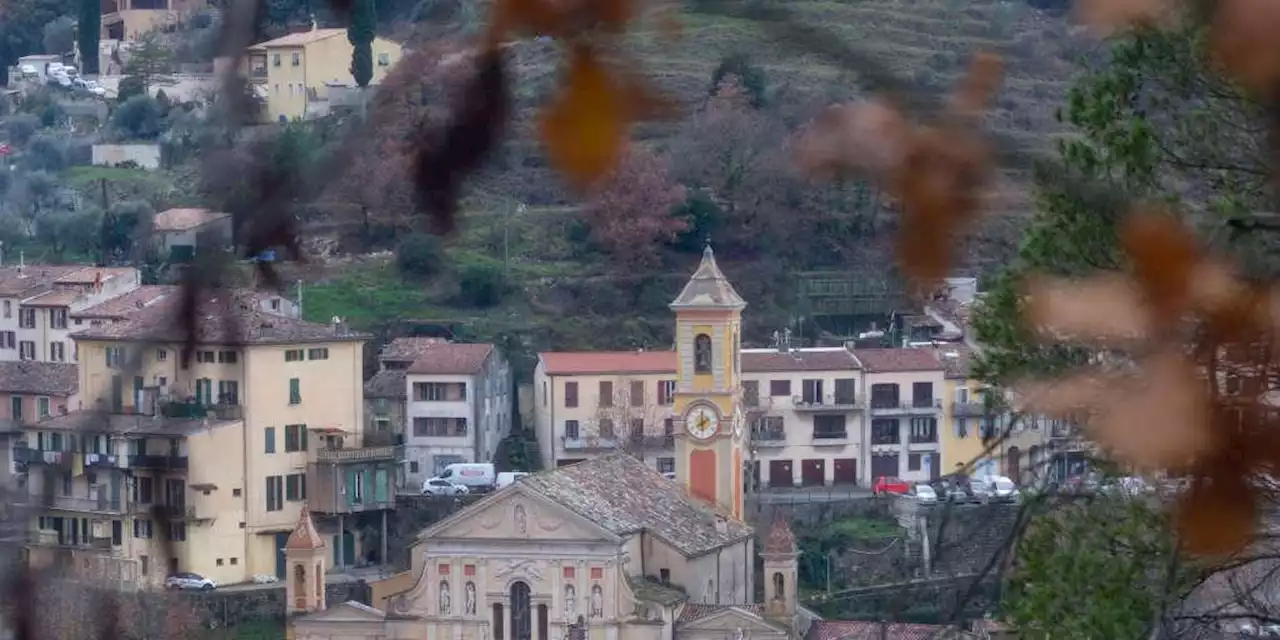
732	619
515	513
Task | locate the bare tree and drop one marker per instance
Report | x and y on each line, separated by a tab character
630	418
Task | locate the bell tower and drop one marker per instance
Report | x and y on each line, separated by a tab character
304	554
710	438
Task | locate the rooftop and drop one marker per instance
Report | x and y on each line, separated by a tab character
388	383
697	611
304	536
28	280
897	360
408	349
819	359
708	288
780	539
53	298
126	424
28	376
450	358
126	305
957	360
224	318
862	630
185	219
568	363
300	39
647	502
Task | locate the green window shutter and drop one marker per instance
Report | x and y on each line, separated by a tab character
380	485
295	391
302	429
270	434
351	487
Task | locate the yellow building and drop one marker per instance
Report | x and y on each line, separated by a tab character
265	418
291	71
963	422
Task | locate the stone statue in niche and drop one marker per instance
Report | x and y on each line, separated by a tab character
522	520
470	602
702	353
738	635
597	602
570	601
445	602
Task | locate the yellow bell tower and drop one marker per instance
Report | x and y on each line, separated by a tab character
710	434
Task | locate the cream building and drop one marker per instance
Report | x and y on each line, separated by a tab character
904	387
226	447
606	549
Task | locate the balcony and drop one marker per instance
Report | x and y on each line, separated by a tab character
50	539
352	489
589	443
769	438
830	438
195	411
363	454
826	403
918	407
642	441
26	455
159	463
101	461
100	504
969	409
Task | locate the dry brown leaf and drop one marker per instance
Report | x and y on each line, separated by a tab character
979	84
668	21
533	17
1242	40
1074	396
868	136
1105	17
585	128
1107	308
1164	255
1216	516
1159	419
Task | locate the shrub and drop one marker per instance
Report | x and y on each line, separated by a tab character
138	117
21	128
482	283
130	87
45	154
419	255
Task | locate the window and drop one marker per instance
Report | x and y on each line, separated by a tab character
228	357
117	532
293	355
606	394
811	391
228	391
295	437
142	528
42	407
58	318
204	391
144	565
884	431
275	493
751	393
8	308
779	387
270	437
413	466
922	394
829	426
702	353
26	318
924	430
8	340
295	391
913	462
142	490
26	350
178	531
206	357
544	393
162	355
606	428
275	60
571	429
235	493
439	427
321	353
499	620
297	58
384	59
666	392
845	391
962	395
666	465
521	625
295	487
637	393
962	427
570	395
235	561
57	351
884	396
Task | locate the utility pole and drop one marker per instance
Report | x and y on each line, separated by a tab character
506	236
299	299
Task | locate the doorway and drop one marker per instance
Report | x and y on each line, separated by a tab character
780	473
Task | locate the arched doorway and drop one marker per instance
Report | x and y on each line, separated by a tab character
521	614
1012	462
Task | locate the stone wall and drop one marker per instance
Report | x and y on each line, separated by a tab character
412	514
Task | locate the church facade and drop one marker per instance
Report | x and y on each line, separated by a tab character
606	549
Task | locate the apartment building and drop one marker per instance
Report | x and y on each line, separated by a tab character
33	391
36	302
289	72
177	233
127	19
459	404
289	394
904	388
968	424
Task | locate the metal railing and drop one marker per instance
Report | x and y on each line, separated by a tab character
363	454
99	504
906	408
832	402
194	410
769	438
969	409
165	463
830	437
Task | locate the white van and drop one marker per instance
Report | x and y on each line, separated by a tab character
476	476
507	477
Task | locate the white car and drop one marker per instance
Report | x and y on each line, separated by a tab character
442	487
923	493
995	489
189	581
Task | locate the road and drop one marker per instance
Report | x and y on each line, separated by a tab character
810	495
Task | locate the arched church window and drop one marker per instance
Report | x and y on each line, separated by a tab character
521	615
779	586
702	353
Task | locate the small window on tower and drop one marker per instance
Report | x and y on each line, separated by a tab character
702	353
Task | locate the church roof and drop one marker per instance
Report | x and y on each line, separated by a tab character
304	536
708	288
780	539
624	496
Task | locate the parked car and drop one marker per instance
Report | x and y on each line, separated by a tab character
923	494
442	487
188	580
889	485
507	477
995	489
954	491
476	476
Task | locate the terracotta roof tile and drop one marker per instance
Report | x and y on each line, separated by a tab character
90	275
568	363
185	219
126	305
862	630
451	358
771	360
53	298
130	423
225	318
780	539
894	360
957	360
26	376
625	496
407	349
304	536
388	383
301	39
697	611
30	279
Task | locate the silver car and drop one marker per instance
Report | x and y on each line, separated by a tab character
923	494
995	489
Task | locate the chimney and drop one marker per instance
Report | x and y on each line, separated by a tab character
722	525
313	22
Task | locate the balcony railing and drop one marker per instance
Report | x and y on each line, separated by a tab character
969	409
830	437
163	463
646	441
769	438
194	410
588	443
25	454
906	408
363	454
50	539
826	403
100	504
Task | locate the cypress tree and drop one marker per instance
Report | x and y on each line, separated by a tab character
364	18
90	25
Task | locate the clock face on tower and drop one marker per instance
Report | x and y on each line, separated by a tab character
702	422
